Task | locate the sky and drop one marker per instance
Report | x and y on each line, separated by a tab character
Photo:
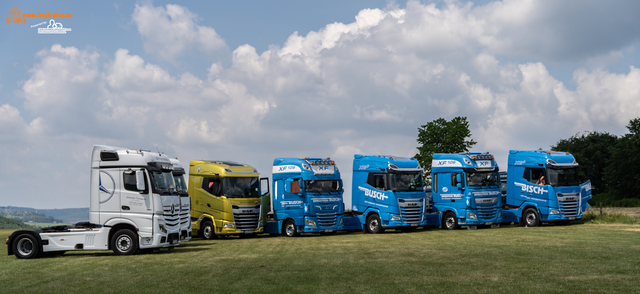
250	81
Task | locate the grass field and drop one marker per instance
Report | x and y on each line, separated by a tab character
575	258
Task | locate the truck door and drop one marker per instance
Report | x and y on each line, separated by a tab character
292	197
109	194
443	186
136	205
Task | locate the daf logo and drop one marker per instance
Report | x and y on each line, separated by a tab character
570	198
247	211
412	204
106	185
487	200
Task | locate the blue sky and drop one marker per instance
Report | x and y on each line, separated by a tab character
254	80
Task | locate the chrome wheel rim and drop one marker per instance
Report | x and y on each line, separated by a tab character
373	225
123	243
207	232
25	246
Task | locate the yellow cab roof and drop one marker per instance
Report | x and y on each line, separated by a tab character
221	168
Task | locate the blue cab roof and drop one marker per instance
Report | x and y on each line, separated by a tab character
382	162
444	162
540	158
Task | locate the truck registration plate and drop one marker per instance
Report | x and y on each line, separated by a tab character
572	218
489	223
328	231
414	225
248	232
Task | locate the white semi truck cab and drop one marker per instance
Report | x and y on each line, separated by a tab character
134	205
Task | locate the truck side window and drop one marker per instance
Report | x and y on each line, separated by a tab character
213	186
532	175
377	181
295	186
129	180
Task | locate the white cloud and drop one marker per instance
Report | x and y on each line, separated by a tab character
361	87
170	31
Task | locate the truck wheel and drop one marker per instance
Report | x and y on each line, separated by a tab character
374	226
26	246
450	221
289	228
124	242
530	217
207	230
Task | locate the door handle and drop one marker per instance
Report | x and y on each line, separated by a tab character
124	207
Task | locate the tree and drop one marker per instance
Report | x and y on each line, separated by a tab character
591	150
442	136
625	159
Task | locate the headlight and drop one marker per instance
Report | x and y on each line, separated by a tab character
311	223
500	214
396	218
553	211
228	225
471	215
341	222
163	229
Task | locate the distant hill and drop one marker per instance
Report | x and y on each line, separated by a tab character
64	215
7	223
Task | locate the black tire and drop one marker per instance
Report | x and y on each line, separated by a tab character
124	242
289	228
450	221
530	217
207	231
374	225
26	246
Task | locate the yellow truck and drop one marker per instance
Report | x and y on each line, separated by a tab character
226	198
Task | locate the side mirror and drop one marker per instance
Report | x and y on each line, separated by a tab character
264	186
140	180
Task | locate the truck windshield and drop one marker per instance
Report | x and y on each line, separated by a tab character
563	177
406	182
163	182
181	185
483	179
241	187
315	186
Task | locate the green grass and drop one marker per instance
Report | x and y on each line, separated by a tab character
555	259
610	217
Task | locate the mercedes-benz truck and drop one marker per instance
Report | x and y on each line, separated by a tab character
133	205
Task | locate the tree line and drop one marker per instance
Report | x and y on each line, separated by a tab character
611	160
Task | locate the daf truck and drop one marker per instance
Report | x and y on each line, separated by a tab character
466	190
185	200
133	205
306	198
226	197
387	193
544	186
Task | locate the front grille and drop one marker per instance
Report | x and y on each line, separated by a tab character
246	217
327	219
487	213
171	216
569	205
412	210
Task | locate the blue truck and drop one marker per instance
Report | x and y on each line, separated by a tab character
387	193
544	186
306	198
466	190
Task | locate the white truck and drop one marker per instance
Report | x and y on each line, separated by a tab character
185	200
133	205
